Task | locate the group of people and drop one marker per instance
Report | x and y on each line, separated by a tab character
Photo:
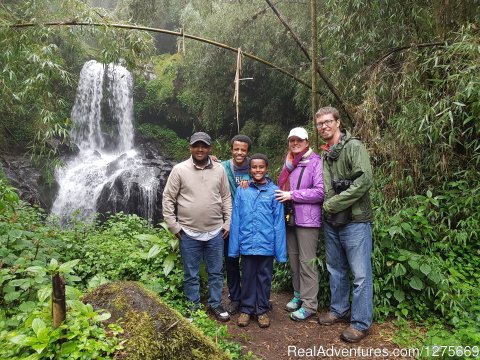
233	210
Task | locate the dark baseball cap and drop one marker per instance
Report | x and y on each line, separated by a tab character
200	136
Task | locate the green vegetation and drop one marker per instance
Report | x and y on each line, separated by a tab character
407	72
157	97
167	140
29	253
40	66
426	260
125	247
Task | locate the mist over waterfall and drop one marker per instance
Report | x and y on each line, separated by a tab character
108	174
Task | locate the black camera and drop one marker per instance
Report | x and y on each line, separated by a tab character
345	216
289	213
341	185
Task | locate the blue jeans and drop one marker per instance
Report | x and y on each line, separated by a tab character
193	251
349	248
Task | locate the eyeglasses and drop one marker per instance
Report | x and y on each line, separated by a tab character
326	122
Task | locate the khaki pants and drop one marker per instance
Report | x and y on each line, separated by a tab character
302	252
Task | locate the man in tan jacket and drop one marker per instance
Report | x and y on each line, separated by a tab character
197	208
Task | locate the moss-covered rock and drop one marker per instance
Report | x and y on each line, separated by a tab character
152	330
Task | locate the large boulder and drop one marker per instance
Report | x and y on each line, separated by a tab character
152	330
138	190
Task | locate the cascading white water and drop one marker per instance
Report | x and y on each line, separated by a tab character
103	131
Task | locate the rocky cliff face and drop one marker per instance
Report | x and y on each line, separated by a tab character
127	191
124	193
30	182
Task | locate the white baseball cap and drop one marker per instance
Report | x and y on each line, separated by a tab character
299	132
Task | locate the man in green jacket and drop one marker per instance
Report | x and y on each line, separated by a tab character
347	176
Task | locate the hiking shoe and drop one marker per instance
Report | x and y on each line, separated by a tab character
353	335
243	320
330	318
220	313
263	321
302	314
295	303
233	307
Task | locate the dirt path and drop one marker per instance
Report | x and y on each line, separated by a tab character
287	339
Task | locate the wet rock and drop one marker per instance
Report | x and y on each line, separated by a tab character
32	186
136	191
65	149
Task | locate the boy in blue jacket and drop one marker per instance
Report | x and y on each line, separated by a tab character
257	232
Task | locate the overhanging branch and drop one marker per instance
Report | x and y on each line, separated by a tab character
319	70
168	32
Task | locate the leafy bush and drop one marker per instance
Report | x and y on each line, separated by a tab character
126	247
168	140
8	196
80	336
28	252
425	110
426	256
160	91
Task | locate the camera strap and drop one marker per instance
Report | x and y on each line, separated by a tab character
298	185
300	177
332	178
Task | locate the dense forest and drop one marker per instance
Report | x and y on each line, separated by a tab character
405	75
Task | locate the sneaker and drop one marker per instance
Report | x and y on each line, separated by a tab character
295	303
330	318
233	307
220	313
263	321
302	314
243	320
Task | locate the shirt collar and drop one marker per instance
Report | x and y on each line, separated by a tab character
208	166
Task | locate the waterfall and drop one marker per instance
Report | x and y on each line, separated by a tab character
107	174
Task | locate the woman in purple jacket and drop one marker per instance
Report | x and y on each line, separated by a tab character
301	185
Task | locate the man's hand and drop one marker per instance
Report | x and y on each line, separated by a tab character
225	234
243	184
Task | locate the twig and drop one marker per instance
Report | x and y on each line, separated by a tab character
405	47
171	326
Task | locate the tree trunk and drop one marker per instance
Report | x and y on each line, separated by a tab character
59	308
318	69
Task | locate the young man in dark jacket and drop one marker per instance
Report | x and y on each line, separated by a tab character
347	214
238	171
